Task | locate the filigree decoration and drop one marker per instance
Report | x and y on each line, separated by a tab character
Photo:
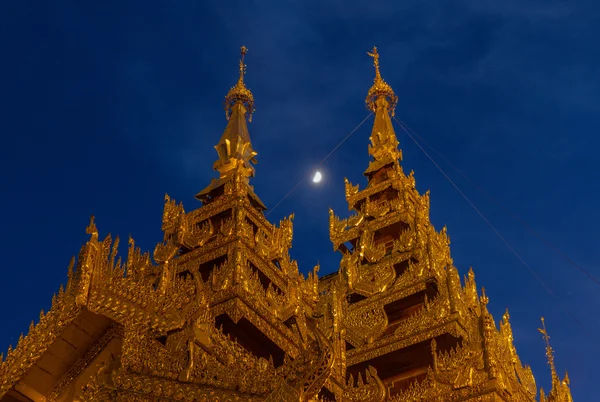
380	88
405	242
221	276
262	244
370	250
364	325
375	209
171	215
351	191
307	373
164	252
138	266
227	226
372	389
196	235
364	279
428	315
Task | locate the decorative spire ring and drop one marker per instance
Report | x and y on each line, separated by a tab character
239	93
380	88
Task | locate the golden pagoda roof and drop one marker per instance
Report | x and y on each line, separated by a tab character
221	311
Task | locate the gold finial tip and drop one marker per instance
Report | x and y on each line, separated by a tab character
380	89
484	298
239	93
243	51
91	228
375	55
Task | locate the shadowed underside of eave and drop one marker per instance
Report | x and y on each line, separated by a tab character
66	358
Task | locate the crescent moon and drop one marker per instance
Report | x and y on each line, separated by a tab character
317	177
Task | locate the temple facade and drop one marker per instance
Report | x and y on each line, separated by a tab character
220	312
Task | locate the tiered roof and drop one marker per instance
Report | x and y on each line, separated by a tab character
221	312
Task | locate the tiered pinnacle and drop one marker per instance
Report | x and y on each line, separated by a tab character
560	391
234	149
382	100
221	311
406	313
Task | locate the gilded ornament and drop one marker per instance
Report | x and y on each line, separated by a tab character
222	313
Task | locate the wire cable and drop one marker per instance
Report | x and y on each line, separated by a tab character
506	243
320	163
504	208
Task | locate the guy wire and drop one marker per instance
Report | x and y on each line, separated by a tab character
320	163
506	243
504	208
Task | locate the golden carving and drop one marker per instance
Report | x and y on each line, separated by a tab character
220	312
372	389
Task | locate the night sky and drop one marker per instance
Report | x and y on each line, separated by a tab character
105	107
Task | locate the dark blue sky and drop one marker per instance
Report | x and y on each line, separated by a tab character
108	106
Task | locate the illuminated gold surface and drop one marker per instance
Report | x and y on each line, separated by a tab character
220	312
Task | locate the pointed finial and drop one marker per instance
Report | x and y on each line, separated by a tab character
549	353
239	93
375	56
484	298
506	316
380	94
91	229
243	51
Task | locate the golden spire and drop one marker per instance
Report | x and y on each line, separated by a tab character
239	93
382	101
236	155
549	354
560	391
380	88
234	148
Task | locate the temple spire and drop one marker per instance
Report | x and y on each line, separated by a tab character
560	391
235	153
549	353
382	101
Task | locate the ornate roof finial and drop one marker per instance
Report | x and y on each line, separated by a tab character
236	155
381	100
380	88
549	354
375	56
239	93
91	229
484	298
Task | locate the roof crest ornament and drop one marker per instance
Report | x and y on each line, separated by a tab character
239	93
549	353
380	88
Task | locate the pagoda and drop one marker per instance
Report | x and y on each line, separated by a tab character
220	312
